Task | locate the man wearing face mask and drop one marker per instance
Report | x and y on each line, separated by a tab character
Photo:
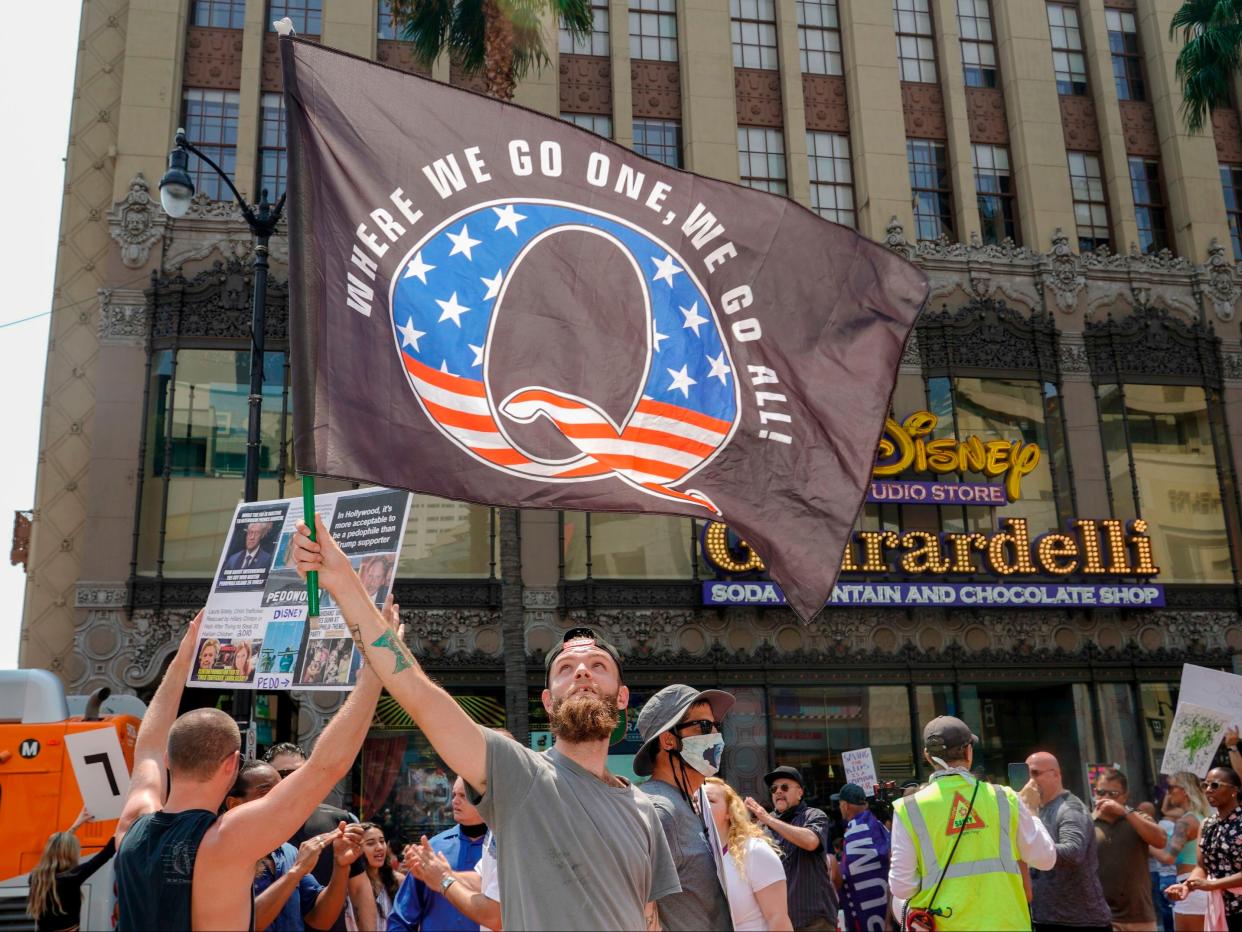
682	745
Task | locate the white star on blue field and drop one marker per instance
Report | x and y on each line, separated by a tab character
447	290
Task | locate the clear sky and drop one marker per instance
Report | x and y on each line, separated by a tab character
38	49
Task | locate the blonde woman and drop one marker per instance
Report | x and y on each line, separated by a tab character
1186	797
754	875
55	899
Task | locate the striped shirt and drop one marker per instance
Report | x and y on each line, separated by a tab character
810	892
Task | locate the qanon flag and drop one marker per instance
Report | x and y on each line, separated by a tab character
491	305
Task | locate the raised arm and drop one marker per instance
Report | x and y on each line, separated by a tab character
345	850
146	782
808	839
250	831
453	734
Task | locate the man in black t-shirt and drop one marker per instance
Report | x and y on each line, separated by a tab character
285	759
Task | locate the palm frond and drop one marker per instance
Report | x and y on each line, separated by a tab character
425	24
468	39
1210	57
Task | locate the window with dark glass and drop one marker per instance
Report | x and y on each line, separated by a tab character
599	123
974	25
916	49
659	140
932	188
1068	62
761	158
653	29
832	187
273	154
220	14
753	25
1162	467
1090	204
1231	187
594	44
1123	44
307	15
1149	209
210	121
994	189
819	37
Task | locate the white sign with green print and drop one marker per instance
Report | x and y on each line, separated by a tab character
1194	738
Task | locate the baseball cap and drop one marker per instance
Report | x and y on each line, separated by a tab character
851	793
580	639
946	733
664	710
783	771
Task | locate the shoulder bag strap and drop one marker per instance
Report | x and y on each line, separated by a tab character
944	873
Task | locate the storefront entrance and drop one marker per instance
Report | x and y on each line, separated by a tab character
1012	722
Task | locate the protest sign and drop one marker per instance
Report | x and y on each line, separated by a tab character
255	632
1212	689
1194	738
860	769
100	768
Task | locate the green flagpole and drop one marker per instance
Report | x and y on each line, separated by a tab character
308	515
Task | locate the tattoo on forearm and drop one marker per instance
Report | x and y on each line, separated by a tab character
389	641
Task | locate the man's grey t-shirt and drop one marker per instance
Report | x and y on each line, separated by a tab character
573	852
701	904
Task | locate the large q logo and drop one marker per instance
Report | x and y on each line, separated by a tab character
448	298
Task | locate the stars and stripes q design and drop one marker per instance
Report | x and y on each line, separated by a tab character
448	296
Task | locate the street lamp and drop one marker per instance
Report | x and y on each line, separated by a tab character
176	190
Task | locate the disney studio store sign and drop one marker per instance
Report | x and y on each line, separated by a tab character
1092	562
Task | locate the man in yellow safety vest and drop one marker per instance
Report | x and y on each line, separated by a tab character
956	843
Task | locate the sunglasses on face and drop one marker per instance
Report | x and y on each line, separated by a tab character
1108	794
285	773
705	725
783	787
1215	784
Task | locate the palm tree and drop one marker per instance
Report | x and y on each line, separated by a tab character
503	39
1211	56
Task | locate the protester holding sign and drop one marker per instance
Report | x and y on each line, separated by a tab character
754	877
55	898
548	810
178	864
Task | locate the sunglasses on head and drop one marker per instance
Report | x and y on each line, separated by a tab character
705	725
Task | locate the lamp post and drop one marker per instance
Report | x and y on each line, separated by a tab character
176	190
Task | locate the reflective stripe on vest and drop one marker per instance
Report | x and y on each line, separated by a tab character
931	864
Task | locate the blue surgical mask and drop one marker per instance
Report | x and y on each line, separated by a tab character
703	753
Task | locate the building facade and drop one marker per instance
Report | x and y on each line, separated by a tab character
1030	157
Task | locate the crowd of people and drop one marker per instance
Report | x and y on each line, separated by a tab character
554	840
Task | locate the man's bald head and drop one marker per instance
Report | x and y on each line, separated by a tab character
1046	774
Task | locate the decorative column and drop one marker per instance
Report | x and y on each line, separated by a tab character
708	100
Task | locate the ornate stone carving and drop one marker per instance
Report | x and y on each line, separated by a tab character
910	352
137	223
213	58
271	77
122	317
1059	273
988	334
1227	132
1072	354
214	304
400	55
1152	342
1078	123
585	84
758	94
827	109
1138	123
985	113
923	108
1231	366
1217	280
656	89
